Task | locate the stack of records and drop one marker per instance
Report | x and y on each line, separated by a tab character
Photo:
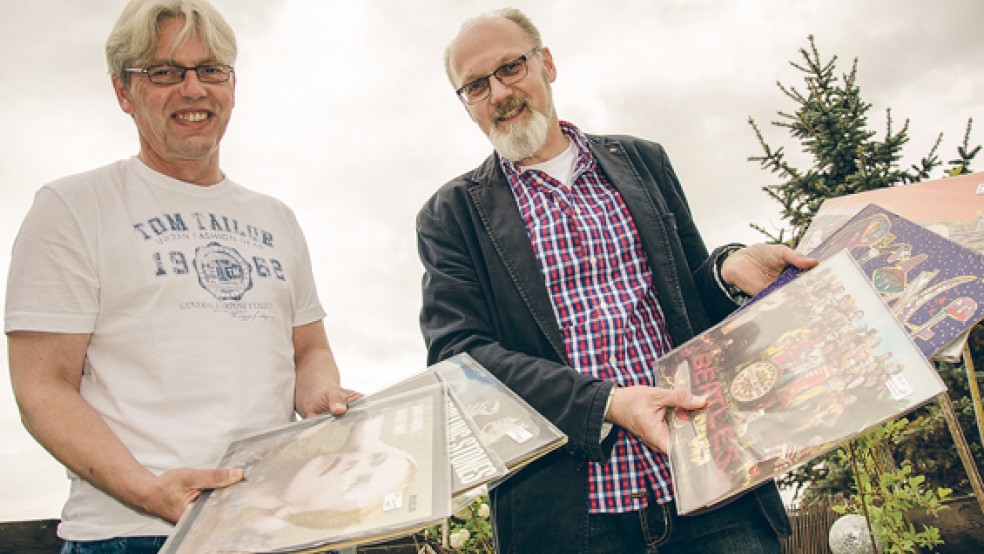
397	461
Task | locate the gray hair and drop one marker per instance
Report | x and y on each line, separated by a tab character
133	39
511	14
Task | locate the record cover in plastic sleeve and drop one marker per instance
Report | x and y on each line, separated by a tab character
473	463
806	368
378	471
509	426
952	207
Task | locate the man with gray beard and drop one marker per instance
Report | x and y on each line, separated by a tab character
567	264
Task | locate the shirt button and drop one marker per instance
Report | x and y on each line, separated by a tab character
593	260
612	360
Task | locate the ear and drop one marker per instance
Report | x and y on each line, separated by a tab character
123	97
548	64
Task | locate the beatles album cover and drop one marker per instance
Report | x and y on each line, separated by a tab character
473	464
509	426
378	471
804	369
934	286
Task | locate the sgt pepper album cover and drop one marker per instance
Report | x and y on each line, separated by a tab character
802	370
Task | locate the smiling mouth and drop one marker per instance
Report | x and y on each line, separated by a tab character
511	113
192	117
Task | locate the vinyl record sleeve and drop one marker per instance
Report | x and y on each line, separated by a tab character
510	427
952	207
473	463
934	286
808	367
378	471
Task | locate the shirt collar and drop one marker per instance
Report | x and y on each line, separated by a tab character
585	159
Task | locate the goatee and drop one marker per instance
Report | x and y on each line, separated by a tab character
520	140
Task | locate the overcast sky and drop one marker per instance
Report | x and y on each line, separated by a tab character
343	112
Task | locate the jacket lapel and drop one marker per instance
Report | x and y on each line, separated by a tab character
505	227
627	181
653	226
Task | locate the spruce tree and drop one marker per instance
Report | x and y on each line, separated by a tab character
830	123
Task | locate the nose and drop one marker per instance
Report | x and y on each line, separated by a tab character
191	87
498	91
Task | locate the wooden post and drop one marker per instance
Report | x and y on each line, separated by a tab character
973	475
975	391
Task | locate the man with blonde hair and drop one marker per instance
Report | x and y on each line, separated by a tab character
567	264
157	310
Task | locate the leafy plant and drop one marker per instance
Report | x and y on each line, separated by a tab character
468	531
885	493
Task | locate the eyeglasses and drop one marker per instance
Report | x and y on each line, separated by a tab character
170	74
508	73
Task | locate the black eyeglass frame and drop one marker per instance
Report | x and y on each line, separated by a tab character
205	78
525	58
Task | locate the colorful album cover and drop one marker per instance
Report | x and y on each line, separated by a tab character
378	471
804	369
934	286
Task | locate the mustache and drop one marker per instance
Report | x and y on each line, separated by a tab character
509	106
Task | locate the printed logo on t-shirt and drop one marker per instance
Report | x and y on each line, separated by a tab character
222	271
211	247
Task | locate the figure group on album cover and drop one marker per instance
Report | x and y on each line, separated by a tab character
808	364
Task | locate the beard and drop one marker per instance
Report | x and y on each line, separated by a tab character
520	140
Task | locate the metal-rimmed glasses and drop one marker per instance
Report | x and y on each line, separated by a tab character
171	74
509	73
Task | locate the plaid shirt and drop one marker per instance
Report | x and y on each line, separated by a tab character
600	284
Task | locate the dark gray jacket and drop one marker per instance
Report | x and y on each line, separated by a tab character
484	294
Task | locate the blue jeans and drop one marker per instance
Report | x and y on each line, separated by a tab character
736	527
119	545
133	545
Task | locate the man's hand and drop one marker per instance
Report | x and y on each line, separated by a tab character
752	268
317	388
329	397
171	493
641	410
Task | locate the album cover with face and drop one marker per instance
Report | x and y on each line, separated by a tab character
378	471
806	368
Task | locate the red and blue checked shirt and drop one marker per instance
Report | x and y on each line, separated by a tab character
600	284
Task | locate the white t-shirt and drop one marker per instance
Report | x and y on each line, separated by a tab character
190	295
561	167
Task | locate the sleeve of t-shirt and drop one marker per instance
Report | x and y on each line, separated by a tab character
308	307
53	283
